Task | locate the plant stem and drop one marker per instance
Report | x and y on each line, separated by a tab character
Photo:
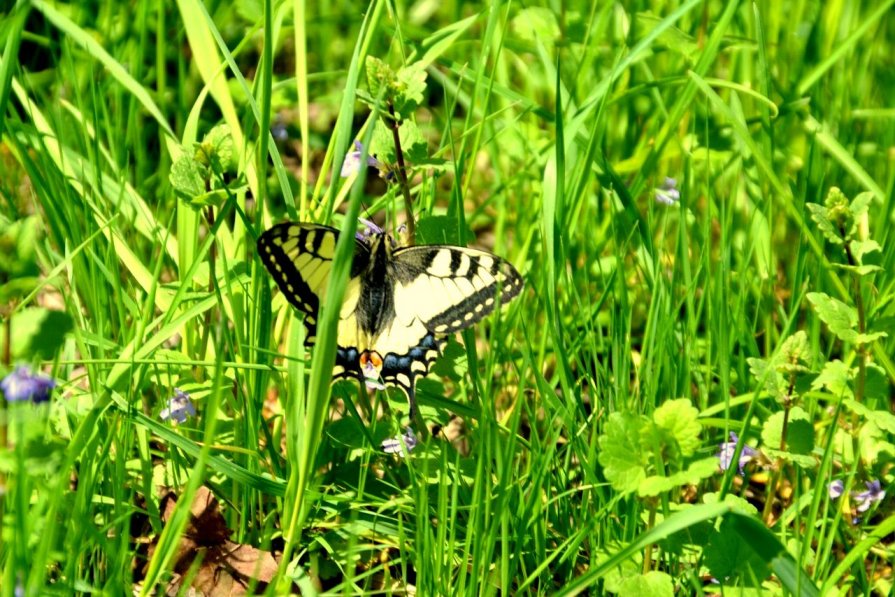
209	217
7	342
862	327
395	124
779	463
648	552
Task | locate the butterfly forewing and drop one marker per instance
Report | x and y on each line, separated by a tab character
299	257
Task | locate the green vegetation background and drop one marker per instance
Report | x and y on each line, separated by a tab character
577	431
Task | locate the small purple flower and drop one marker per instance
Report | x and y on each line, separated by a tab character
836	489
401	445
279	131
668	194
370	228
24	384
874	493
351	165
727	450
180	408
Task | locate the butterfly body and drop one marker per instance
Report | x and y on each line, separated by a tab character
400	303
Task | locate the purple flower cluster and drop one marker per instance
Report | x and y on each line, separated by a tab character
727	450
24	384
863	499
351	164
402	444
180	408
668	194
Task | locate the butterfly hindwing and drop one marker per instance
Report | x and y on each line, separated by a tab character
448	289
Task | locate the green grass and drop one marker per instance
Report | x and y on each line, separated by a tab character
575	430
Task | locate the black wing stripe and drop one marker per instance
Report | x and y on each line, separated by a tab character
299	257
474	307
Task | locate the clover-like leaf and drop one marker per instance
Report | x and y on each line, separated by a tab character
621	454
873	442
410	87
767	375
652	584
18	242
187	177
826	227
696	472
681	420
794	353
380	78
799	431
860	204
839	317
728	556
834	377
218	150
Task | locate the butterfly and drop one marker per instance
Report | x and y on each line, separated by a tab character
400	304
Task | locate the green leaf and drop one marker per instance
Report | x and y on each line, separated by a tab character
820	217
763	372
696	472
876	383
873	442
187	177
410	89
217	150
438	230
621	454
794	351
799	432
883	419
839	317
651	584
18	288
862	248
759	538
860	204
413	144
729	557
380	78
615	577
679	418
37	333
737	503
18	242
453	361
536	24
834	377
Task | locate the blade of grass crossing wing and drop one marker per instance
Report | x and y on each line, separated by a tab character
317	398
